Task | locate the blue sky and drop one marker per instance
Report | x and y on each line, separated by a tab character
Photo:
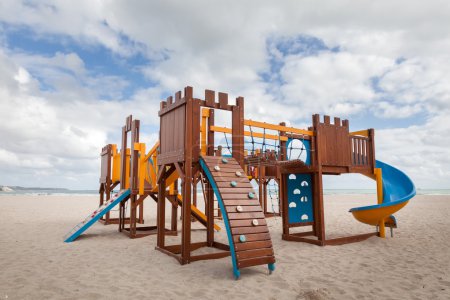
70	75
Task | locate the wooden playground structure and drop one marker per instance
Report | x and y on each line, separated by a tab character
285	163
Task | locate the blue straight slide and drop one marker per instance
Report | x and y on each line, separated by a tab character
398	189
96	215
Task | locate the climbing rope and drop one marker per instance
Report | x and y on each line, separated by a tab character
271	195
226	140
264	140
253	140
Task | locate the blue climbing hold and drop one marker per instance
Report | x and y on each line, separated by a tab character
224	160
242	238
233	183
251	195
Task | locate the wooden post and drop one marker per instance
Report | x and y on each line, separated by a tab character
174	216
372	148
319	223
187	182
210	147
265	183
282	155
284	205
161	209
237	131
123	159
134	185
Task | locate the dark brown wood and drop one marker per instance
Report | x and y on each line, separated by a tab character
349	239
253	245
210	97
246	230
161	210
253	237
256	261
242	202
223	100
246	223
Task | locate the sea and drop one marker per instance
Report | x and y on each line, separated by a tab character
66	192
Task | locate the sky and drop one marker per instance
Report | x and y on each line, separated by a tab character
70	74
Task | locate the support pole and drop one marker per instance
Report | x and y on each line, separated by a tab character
161	209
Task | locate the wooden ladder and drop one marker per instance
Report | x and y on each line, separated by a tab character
247	227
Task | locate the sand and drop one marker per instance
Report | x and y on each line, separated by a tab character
36	264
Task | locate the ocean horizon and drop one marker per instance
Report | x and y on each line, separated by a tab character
68	192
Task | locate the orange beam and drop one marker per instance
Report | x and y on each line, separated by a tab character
278	127
248	133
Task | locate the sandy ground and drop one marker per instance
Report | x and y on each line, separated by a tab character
36	264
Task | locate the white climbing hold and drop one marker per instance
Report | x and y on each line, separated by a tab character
238	174
255	222
296	192
239	208
216	168
305	217
292	205
292	177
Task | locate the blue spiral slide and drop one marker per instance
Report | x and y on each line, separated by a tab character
398	189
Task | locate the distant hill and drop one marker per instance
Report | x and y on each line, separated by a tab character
21	188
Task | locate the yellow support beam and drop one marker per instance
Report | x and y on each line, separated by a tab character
115	164
141	166
379	178
278	127
248	133
361	132
199	213
203	130
152	151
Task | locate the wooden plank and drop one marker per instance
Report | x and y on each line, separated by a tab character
278	127
218	160
246	223
210	98
225	169
196	116
224	183
223	100
253	237
241	255
293	238
249	230
232	208
233	175
246	215
242	202
238	197
253	245
236	190
256	261
206	256
232	178
349	239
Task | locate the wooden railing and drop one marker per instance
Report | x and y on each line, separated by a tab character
362	149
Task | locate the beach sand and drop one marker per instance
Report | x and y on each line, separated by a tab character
103	263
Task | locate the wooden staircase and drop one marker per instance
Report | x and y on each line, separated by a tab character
247	229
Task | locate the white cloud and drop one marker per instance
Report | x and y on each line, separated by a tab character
391	61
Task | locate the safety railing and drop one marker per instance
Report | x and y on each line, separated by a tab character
362	149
